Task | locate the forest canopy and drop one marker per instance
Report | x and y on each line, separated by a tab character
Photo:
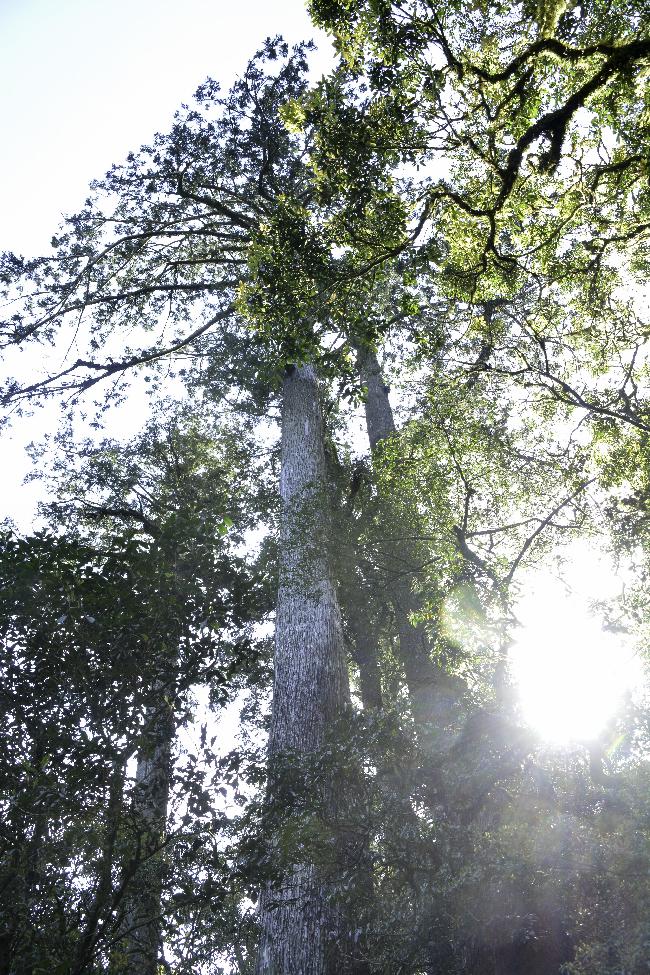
390	328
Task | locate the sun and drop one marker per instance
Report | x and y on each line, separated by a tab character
571	674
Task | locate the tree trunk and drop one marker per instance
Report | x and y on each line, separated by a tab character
142	916
360	631
98	912
364	652
300	930
428	685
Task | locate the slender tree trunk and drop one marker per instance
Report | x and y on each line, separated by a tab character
380	422
430	696
360	630
99	909
142	914
300	932
364	652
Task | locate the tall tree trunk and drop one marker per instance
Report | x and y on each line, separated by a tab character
300	930
359	627
140	947
364	651
429	689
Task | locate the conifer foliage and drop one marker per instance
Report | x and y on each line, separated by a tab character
441	239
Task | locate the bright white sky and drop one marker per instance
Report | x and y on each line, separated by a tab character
82	82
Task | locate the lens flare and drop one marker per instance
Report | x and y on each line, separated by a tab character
572	675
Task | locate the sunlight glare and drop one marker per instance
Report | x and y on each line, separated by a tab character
572	675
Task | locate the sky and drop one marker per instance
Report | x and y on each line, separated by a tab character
83	82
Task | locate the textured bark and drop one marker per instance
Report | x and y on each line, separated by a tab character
140	947
431	697
300	932
364	652
360	630
380	421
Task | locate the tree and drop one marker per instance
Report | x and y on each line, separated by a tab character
301	932
290	228
188	212
154	600
517	100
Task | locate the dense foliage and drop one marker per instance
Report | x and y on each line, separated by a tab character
457	216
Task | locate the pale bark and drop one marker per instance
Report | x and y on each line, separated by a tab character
140	947
380	421
300	932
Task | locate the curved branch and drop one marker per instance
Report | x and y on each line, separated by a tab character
111	368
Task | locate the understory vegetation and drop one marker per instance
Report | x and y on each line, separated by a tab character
259	714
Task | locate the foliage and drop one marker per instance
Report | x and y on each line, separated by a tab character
464	197
102	628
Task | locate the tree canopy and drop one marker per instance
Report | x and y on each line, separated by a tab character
444	241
